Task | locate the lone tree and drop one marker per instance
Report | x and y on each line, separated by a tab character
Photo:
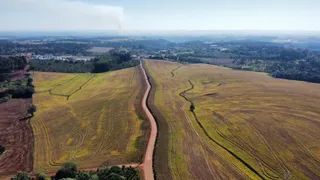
192	107
32	109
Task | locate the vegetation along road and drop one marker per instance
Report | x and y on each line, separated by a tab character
148	159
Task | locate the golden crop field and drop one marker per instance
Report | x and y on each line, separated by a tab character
227	124
92	120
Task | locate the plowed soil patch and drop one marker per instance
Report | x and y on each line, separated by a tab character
20	74
16	136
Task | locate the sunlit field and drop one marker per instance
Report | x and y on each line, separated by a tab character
225	124
92	120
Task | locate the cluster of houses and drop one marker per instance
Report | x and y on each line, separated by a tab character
62	58
213	46
140	56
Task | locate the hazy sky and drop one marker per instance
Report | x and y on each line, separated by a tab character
160	14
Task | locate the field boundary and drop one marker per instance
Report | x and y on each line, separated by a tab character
67	95
57	85
81	86
172	72
149	155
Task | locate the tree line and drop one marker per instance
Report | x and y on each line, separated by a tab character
11	64
69	170
278	61
16	89
113	61
303	70
10	48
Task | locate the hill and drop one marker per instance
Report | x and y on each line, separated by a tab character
216	122
93	120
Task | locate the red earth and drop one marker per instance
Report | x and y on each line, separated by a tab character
19	75
16	136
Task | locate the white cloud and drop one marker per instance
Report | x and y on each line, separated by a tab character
58	15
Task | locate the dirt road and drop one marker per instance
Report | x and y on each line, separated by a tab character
148	158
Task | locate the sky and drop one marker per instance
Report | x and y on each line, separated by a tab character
159	15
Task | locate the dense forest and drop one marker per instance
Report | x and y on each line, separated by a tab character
16	89
278	61
10	48
10	64
113	61
61	66
70	171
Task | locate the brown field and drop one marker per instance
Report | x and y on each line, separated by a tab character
220	62
19	74
16	136
242	124
100	49
93	120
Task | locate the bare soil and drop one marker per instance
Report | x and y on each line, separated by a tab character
161	165
100	49
19	75
16	136
148	158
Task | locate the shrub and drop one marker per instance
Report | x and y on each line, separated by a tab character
94	177
32	109
68	170
115	169
4	99
21	176
83	176
114	176
41	176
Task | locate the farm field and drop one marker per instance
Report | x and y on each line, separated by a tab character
100	49
218	123
16	136
92	120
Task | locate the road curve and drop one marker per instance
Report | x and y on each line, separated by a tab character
148	157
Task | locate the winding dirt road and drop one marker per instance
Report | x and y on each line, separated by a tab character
147	165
